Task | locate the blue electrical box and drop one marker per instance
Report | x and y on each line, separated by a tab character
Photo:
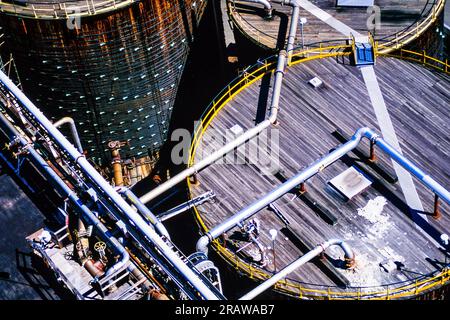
364	54
368	53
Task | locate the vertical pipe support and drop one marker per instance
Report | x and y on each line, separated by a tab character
194	180
116	162
372	156
302	189
436	211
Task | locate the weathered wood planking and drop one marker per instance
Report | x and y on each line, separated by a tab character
395	16
418	102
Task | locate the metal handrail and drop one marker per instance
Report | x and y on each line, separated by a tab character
42	9
407	36
418	57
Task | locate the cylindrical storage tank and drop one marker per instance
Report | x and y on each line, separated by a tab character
392	23
113	66
323	101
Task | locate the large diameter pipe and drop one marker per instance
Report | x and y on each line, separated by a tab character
146	212
293	29
50	173
73	129
277	83
349	257
249	134
104	187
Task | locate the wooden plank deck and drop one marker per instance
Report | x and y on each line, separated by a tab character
418	102
396	15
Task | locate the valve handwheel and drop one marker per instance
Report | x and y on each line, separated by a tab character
100	246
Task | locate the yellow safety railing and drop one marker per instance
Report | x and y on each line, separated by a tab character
62	10
397	41
405	37
402	290
408	289
418	57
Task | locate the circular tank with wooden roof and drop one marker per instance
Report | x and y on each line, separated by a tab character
390	21
398	250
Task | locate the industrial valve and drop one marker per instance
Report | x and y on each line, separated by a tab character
100	247
116	162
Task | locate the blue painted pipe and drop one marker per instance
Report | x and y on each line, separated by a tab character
412	168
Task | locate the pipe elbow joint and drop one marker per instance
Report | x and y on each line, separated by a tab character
349	255
367	133
202	244
120	264
274	115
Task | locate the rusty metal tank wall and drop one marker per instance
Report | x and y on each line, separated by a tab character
116	75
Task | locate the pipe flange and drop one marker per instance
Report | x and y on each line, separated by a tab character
322	246
374	138
113	144
350	263
116	160
157	179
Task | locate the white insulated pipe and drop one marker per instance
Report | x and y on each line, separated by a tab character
73	129
145	211
265	3
203	163
349	255
106	188
293	30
